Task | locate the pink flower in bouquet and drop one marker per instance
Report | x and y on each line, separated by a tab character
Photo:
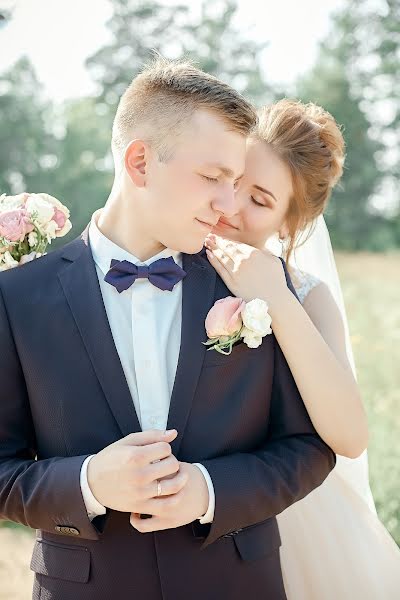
15	224
60	218
224	318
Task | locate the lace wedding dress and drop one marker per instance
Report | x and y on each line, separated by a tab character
334	547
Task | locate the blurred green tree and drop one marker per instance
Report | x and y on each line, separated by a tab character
82	178
373	48
340	84
348	216
27	141
55	150
207	36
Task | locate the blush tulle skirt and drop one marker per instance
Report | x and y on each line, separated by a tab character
334	547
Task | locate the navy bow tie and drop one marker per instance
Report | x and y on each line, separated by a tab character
164	273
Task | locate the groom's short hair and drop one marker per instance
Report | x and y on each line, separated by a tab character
160	100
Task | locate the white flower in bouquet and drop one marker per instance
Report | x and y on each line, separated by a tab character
28	223
7	261
12	202
61	215
32	239
49	230
40	210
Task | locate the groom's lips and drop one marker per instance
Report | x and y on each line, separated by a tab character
205	224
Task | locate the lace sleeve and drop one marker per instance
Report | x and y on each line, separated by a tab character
303	283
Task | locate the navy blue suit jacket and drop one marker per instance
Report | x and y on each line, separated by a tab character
64	396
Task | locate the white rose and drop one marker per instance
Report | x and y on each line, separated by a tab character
256	317
8	262
55	203
44	210
250	338
32	239
11	202
49	229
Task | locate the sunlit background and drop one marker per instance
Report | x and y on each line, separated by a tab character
63	65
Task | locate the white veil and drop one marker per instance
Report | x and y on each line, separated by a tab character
316	257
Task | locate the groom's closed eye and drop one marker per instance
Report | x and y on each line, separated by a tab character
210	179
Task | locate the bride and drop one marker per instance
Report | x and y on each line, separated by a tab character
333	544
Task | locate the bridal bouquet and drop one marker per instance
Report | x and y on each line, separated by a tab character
28	223
231	319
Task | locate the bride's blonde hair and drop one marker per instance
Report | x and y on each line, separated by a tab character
308	139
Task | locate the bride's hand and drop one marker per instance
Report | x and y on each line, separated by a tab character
248	272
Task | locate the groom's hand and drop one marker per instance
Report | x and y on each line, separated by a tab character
185	506
123	476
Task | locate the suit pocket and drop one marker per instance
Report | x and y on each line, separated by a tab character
70	563
258	540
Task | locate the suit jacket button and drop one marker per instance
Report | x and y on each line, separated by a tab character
67	530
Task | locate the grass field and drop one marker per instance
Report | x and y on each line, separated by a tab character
371	285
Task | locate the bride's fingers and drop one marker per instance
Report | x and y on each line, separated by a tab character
210	241
224	258
228	246
235	250
219	266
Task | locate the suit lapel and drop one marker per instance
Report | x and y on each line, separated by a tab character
197	299
81	287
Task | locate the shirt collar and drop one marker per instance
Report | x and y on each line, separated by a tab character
103	249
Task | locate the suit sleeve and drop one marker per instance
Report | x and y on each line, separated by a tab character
294	460
41	494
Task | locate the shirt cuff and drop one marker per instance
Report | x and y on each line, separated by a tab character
209	516
93	507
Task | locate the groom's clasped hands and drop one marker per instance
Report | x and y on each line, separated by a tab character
124	476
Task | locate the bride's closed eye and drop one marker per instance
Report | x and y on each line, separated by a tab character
258	203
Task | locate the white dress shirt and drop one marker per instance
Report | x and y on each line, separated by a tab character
146	327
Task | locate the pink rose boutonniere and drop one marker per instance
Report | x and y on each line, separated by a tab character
231	319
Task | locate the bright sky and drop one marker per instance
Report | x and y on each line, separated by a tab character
57	36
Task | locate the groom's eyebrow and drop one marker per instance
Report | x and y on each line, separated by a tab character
225	170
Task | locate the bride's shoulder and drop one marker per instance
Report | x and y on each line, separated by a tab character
303	282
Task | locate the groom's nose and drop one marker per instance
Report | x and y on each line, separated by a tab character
225	202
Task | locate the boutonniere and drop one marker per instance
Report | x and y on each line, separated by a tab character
231	319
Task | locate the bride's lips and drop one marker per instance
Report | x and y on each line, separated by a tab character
225	225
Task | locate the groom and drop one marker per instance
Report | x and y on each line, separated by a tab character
101	351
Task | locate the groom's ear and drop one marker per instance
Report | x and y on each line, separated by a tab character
136	155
